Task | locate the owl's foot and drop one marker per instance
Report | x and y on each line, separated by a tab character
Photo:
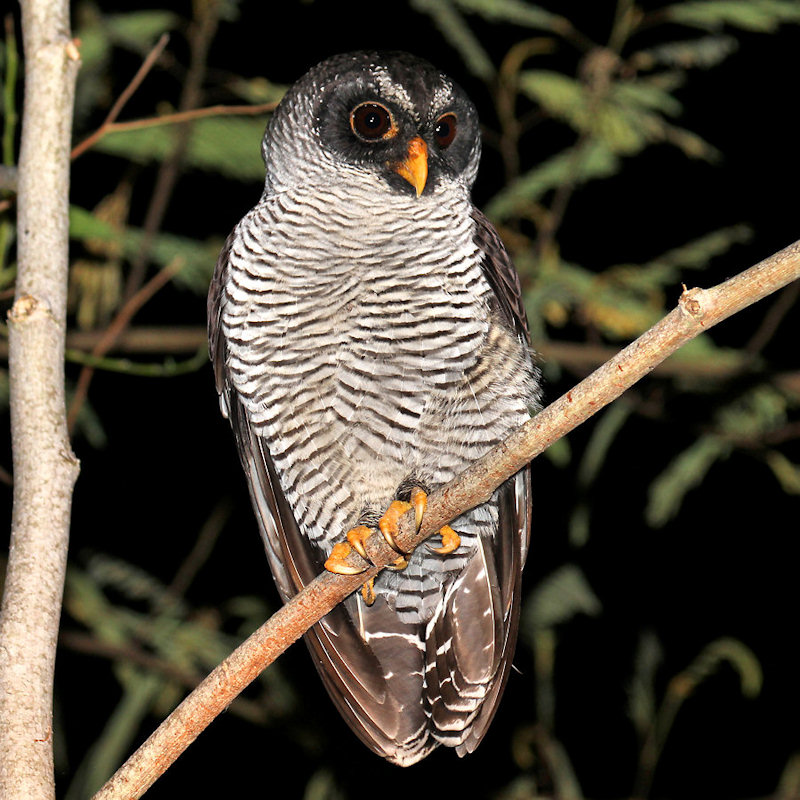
356	537
451	541
337	561
389	523
368	591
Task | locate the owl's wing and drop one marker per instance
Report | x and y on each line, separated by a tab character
471	642
500	272
470	646
380	703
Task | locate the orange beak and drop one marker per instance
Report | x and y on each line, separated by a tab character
415	166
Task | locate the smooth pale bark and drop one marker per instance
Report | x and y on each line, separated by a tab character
45	468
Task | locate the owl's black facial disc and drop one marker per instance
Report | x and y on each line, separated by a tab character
377	118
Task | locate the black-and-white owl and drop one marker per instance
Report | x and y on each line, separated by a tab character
369	340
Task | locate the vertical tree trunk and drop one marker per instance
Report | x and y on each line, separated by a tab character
45	468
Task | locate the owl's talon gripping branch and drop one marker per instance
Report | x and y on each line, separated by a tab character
337	561
368	591
389	524
356	537
451	541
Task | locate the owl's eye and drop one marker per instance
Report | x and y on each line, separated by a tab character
445	130
372	121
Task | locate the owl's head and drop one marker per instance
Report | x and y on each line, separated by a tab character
390	120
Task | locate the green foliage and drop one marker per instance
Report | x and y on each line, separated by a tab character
458	34
226	145
595	455
762	16
654	722
558	599
99	35
159	646
702	53
591	161
685	472
194	261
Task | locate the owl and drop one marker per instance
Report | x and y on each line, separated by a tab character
369	342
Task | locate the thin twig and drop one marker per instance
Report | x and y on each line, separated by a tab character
251	710
784	303
126	95
193	114
203	546
697	311
201	32
118	324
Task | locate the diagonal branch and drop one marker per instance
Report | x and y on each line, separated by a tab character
126	95
697	311
110	335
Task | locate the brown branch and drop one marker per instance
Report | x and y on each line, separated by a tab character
579	358
252	710
114	330
783	304
45	468
201	32
697	311
193	114
126	95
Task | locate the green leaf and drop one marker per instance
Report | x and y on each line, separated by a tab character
604	433
582	164
755	413
646	94
560	95
684	473
690	143
641	692
459	35
697	253
257	90
139	30
228	145
561	596
735	653
787	472
559	453
703	53
516	13
197	259
627	118
763	16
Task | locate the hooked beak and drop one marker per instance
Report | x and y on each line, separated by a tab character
414	168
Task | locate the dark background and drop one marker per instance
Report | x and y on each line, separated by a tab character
725	567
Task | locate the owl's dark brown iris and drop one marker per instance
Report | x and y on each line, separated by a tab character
372	121
445	130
